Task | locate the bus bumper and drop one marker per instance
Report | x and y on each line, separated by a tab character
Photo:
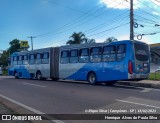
138	76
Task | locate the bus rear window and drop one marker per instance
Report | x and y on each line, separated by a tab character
141	52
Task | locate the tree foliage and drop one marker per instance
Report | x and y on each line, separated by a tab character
14	47
110	39
76	38
4	58
79	38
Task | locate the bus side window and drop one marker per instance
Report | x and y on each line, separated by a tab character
73	56
109	53
95	54
32	59
84	55
38	58
45	58
15	60
65	57
121	52
25	59
20	58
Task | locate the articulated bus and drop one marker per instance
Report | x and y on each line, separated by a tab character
95	63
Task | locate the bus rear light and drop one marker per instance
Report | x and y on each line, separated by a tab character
130	67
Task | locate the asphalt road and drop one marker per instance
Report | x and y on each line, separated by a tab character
57	97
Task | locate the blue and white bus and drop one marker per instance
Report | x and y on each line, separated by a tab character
95	63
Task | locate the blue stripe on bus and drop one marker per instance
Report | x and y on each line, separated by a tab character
20	69
102	75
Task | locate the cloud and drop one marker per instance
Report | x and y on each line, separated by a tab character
119	4
157	2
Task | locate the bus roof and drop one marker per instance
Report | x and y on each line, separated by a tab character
31	52
74	46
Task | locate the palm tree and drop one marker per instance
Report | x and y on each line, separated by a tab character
77	38
110	39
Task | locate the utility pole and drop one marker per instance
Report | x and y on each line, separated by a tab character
31	37
131	21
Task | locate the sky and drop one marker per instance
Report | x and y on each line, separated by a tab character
52	22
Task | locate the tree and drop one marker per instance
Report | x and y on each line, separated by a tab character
15	46
77	38
110	39
4	58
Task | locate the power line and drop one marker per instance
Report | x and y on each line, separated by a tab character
148	6
110	21
146	19
74	20
80	24
75	26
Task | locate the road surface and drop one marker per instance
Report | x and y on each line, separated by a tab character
65	97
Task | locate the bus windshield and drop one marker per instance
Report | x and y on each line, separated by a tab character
141	51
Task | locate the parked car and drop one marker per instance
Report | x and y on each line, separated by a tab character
158	69
1	71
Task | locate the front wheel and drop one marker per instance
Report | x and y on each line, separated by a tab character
92	79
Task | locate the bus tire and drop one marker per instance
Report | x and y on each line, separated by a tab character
54	79
16	75
92	79
39	75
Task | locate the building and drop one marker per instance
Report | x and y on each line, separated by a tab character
155	56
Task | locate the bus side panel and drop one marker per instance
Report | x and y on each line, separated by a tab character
78	71
54	63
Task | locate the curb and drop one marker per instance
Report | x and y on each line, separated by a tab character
139	84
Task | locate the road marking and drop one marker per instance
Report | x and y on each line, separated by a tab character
34	85
146	90
124	101
27	107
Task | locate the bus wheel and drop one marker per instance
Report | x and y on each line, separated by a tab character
92	78
54	79
16	75
39	75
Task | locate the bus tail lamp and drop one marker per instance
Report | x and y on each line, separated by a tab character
130	67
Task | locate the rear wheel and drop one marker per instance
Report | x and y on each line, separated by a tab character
54	79
16	75
92	79
39	75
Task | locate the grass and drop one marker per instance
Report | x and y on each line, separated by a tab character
5	72
152	76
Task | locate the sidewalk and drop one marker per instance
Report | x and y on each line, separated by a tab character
143	83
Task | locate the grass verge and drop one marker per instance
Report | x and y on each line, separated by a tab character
154	77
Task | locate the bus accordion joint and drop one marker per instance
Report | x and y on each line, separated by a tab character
130	67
